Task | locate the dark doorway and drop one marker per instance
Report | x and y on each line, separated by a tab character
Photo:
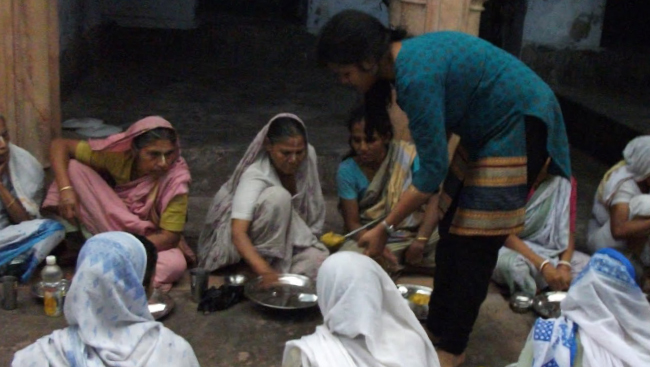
626	24
502	24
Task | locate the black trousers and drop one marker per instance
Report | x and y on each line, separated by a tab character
464	264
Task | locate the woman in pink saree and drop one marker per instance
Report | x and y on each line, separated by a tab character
135	181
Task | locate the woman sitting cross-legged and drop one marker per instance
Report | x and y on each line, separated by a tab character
543	255
135	181
621	211
366	322
23	233
605	320
107	312
371	180
271	209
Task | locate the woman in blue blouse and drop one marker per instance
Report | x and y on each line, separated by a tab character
370	181
509	122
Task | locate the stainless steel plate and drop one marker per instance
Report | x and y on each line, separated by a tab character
290	292
547	304
37	288
409	291
160	305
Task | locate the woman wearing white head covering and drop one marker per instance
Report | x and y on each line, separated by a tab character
23	232
367	323
106	308
621	211
605	320
271	210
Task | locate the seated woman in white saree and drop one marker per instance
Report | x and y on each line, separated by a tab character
367	323
621	213
370	181
605	320
543	255
23	234
108	315
271	210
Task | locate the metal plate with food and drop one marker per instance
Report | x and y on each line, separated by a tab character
289	292
160	305
417	297
37	288
547	304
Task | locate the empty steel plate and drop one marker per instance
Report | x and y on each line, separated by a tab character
290	292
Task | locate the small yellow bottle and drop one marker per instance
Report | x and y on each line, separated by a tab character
51	276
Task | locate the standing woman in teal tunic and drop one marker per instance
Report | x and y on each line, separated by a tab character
510	125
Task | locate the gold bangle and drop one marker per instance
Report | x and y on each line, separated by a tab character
65	188
11	203
422	238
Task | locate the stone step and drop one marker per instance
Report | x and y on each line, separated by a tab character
601	123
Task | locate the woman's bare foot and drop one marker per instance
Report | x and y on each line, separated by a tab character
450	360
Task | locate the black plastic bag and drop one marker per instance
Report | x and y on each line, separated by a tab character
218	299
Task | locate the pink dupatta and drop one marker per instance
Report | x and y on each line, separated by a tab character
141	201
137	194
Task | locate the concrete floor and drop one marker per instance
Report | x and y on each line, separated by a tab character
248	335
218	86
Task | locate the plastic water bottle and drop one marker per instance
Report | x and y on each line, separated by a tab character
52	287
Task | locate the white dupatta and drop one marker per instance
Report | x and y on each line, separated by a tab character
367	323
609	312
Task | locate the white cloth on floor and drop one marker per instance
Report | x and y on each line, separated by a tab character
106	308
367	323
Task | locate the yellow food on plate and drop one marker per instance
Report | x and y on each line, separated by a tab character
420	299
332	239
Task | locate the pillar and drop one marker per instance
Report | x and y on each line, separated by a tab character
29	73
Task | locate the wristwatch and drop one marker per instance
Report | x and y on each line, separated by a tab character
390	229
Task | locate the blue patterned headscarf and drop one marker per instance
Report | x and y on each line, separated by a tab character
608	310
107	310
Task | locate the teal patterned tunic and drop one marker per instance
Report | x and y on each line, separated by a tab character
451	82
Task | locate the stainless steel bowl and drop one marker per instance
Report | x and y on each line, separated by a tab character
547	304
521	302
290	292
235	280
408	291
160	305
